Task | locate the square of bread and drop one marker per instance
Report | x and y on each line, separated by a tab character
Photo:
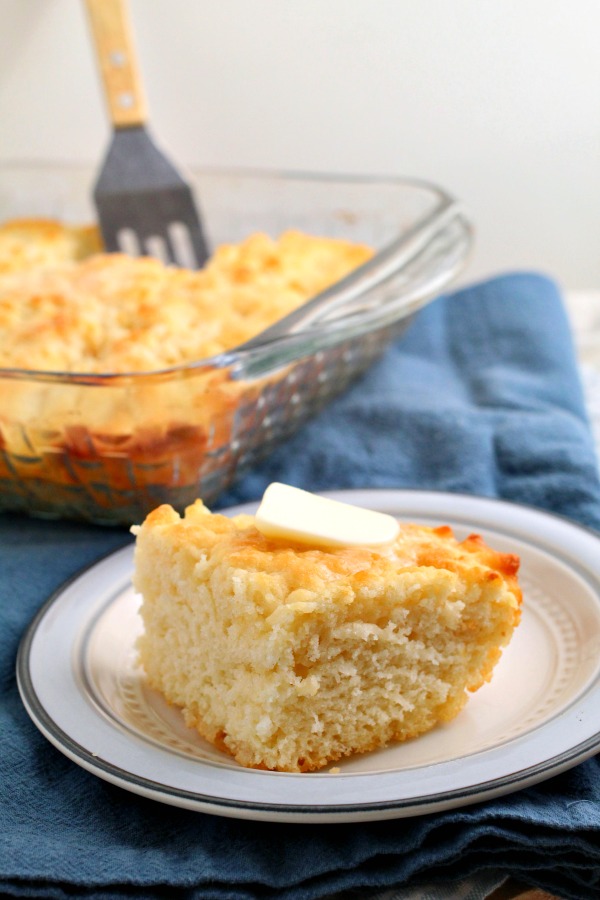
290	657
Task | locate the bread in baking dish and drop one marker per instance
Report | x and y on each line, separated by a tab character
96	442
110	313
290	657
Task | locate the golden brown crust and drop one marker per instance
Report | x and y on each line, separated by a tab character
27	244
113	313
295	566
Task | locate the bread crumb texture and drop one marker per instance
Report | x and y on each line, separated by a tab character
65	306
290	657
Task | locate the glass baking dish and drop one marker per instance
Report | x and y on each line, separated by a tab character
109	448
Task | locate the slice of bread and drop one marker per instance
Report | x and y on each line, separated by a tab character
290	657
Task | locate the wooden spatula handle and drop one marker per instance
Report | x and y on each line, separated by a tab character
113	37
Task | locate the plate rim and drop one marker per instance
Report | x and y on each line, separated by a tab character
355	811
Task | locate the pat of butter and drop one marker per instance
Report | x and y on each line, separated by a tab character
289	513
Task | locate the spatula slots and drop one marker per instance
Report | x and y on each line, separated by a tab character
144	205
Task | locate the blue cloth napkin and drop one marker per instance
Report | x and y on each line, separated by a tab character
481	395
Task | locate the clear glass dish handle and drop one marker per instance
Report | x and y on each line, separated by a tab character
385	266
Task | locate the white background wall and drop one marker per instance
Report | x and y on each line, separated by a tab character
498	100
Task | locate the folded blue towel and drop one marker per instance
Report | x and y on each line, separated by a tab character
481	395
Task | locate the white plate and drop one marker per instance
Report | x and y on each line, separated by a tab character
538	716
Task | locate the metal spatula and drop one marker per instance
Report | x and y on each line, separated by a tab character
144	205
